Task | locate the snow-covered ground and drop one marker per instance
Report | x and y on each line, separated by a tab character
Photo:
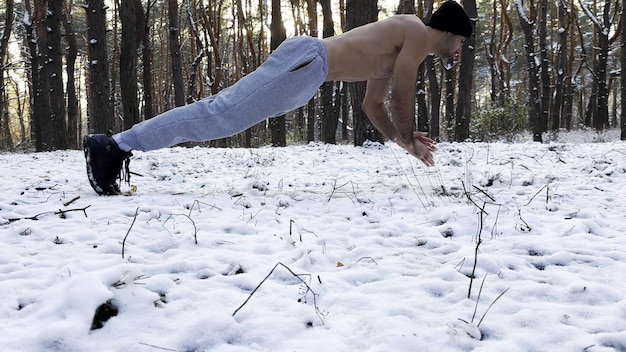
337	248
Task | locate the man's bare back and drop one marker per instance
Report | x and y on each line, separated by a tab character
370	51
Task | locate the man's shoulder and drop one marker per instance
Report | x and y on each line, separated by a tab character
405	19
403	24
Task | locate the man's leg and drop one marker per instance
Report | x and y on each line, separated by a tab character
287	80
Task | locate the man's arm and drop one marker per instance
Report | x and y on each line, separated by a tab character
403	92
403	104
374	106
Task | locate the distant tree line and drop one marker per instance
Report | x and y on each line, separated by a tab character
68	68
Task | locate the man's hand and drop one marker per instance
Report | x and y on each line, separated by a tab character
420	147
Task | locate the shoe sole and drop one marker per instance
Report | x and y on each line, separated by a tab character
87	144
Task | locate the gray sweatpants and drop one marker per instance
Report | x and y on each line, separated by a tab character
287	80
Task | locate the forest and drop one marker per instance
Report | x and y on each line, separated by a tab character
70	68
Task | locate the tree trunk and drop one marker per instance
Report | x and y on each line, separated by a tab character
562	71
58	124
310	107
41	84
212	25
73	115
450	85
408	7
278	34
534	104
247	53
329	117
464	101
434	90
420	95
114	65
602	119
128	62
598	111
490	51
6	142
568	96
435	98
31	71
504	65
247	26
544	69
192	90
358	13
344	111
148	89
344	108
99	105
623	77
177	70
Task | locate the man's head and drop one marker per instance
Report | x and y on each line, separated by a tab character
450	17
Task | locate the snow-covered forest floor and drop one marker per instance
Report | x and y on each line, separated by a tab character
320	248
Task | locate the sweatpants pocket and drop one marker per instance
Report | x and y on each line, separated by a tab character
302	65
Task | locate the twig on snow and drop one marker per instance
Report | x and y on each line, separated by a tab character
335	188
469	198
308	289
480	292
479	241
195	229
159	348
128	232
491	305
471	329
197	203
59	212
292	223
368	258
535	195
71	201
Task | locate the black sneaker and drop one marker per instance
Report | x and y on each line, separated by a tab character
104	163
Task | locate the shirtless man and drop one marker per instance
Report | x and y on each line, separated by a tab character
385	54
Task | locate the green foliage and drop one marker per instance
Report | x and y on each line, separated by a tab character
500	120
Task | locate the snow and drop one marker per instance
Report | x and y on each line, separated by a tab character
26	19
383	249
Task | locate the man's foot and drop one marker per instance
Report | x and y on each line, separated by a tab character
104	163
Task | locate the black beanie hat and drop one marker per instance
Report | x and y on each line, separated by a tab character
450	17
